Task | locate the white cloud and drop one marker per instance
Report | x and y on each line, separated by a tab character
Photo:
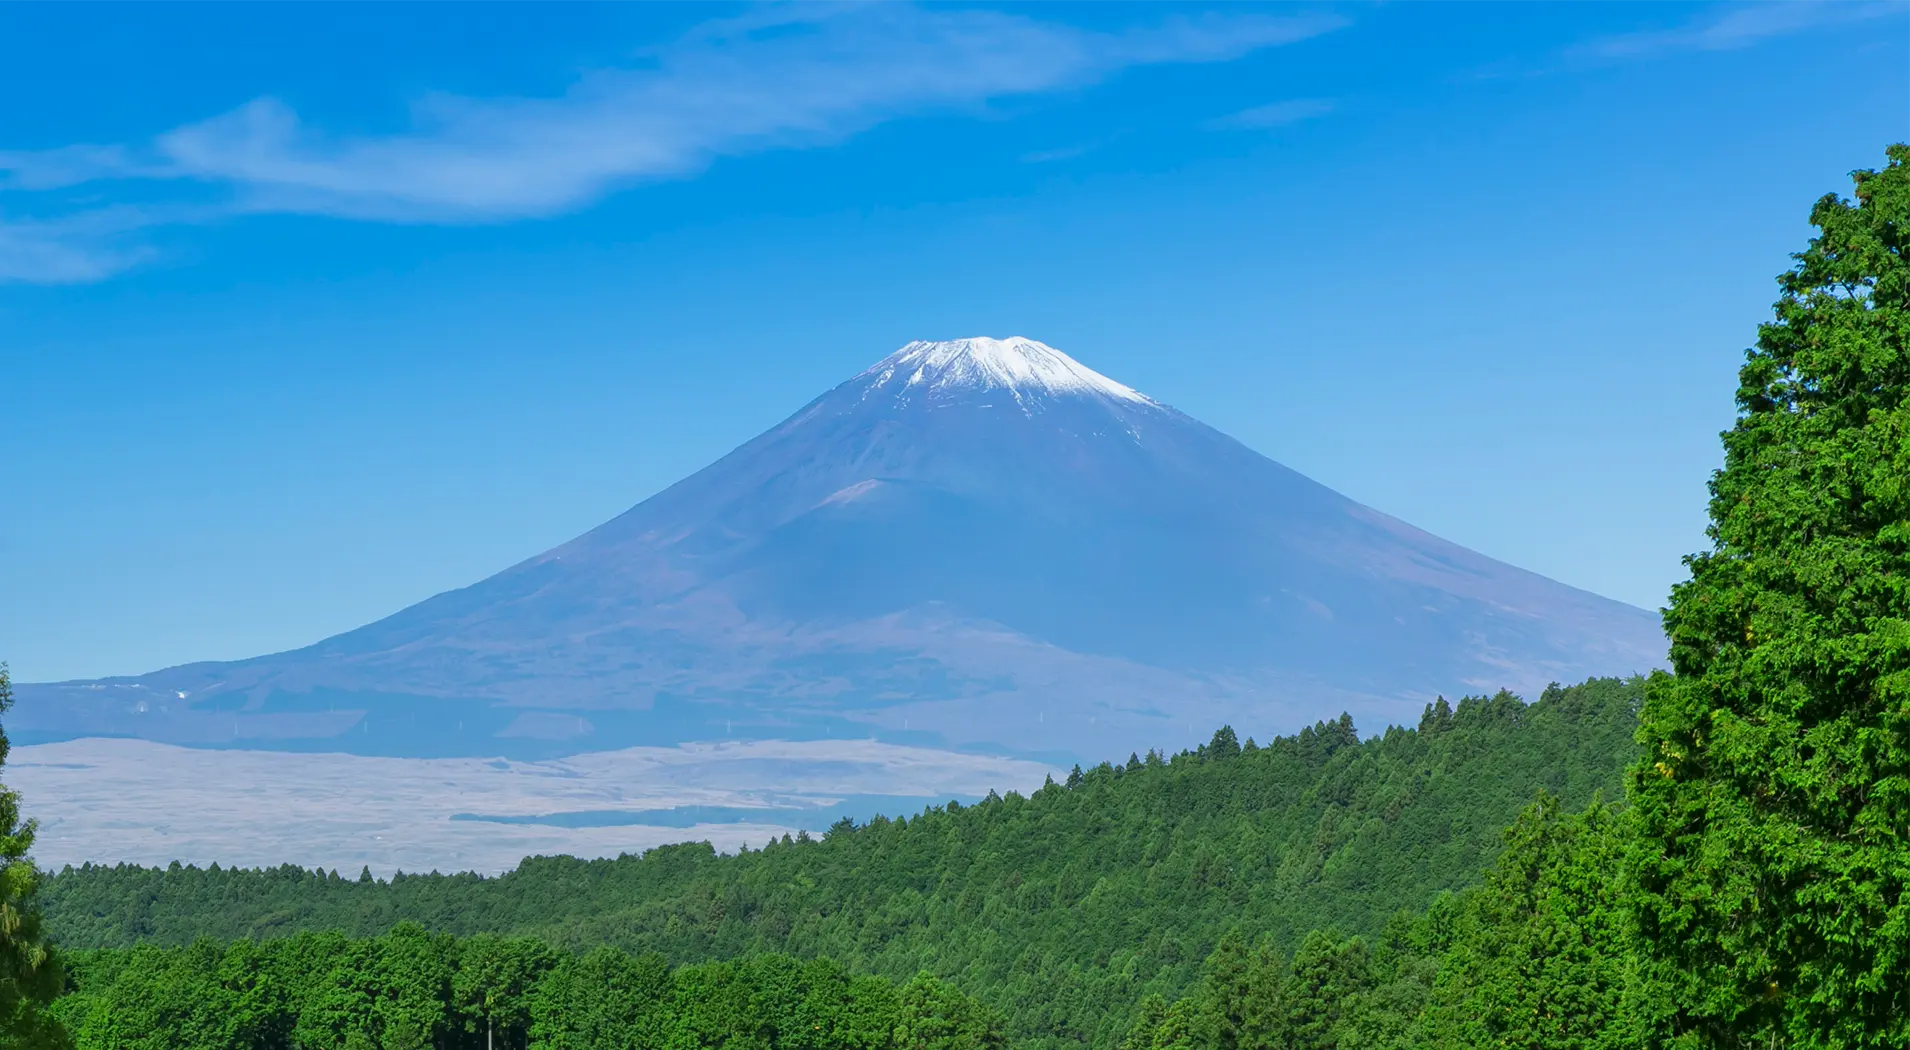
775	79
1737	27
65	166
71	249
1276	114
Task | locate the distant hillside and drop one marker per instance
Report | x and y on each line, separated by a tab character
1062	909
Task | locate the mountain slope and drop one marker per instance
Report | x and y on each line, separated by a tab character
978	543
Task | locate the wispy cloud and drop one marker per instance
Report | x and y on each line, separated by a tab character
774	79
1275	114
1049	156
1731	28
73	249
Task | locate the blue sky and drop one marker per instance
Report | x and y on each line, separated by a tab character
307	313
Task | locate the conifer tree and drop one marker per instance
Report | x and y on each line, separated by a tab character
1539	956
30	976
1323	991
1773	797
1147	1021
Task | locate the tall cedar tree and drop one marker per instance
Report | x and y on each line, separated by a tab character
30	976
1773	796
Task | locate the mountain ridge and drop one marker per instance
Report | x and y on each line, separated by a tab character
950	547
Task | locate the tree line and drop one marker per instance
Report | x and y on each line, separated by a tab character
410	989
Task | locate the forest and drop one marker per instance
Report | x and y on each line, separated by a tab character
1062	910
410	990
1421	981
1711	858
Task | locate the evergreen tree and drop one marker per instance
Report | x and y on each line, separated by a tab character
1227	990
1540	960
933	1015
1773	802
1181	1028
1324	988
1147	1021
30	975
1240	996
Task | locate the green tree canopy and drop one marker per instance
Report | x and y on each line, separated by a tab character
492	980
411	989
1539	957
1061	910
30	976
1773	802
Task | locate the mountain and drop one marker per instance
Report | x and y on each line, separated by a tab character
979	543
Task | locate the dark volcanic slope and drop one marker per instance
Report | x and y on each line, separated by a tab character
978	542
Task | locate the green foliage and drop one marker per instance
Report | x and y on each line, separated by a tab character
410	990
493	979
1324	991
604	998
934	1016
30	973
1773	863
1536	958
1540	956
1062	910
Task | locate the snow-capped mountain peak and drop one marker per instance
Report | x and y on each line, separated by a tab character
966	534
1018	365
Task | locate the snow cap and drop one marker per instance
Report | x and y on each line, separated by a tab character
1016	364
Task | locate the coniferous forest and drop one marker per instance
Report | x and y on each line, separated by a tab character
1062	911
1714	858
